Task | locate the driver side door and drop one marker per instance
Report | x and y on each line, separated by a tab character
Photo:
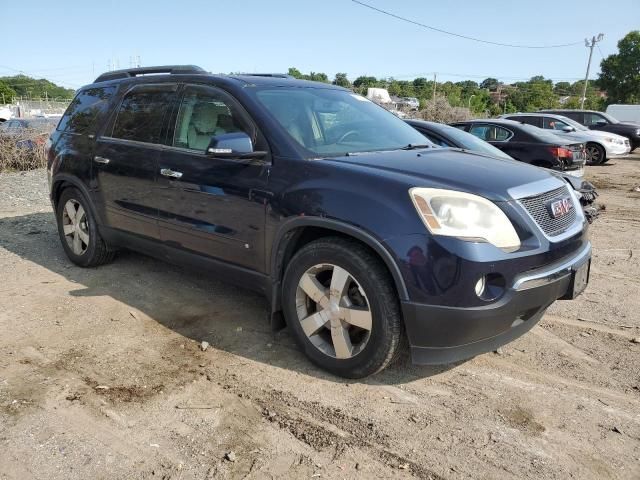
213	207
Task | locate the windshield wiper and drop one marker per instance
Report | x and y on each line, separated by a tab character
416	146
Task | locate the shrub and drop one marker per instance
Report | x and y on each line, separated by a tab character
24	150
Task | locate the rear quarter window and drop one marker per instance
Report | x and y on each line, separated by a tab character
86	110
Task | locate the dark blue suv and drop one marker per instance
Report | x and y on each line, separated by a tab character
361	234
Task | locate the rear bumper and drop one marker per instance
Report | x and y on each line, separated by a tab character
440	334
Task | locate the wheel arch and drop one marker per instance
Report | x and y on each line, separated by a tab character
299	231
63	181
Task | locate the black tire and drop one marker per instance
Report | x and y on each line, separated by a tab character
386	338
96	251
596	154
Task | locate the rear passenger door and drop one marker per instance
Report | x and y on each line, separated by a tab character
126	160
212	206
499	137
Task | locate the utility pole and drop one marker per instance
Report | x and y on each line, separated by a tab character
594	40
434	86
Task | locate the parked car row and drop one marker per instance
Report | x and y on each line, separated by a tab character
600	146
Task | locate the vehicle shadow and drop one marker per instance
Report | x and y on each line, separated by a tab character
187	302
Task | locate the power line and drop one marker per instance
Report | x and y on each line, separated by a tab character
404	19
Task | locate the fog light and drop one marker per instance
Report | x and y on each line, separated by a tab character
480	284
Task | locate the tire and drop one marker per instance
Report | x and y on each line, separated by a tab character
83	245
363	293
596	154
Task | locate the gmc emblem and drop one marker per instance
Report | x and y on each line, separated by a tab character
560	207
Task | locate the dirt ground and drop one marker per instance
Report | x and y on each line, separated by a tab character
102	374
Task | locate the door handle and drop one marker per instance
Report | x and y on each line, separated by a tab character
170	173
101	160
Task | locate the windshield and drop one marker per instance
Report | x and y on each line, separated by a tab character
609	117
471	142
331	122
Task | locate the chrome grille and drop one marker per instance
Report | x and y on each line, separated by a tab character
537	208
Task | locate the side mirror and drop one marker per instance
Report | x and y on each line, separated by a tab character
568	128
235	145
601	123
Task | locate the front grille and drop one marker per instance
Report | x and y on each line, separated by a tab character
537	206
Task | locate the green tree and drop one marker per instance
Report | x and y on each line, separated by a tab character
562	88
490	83
620	73
294	72
341	80
28	87
6	93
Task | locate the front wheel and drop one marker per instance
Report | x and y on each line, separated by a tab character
342	307
596	155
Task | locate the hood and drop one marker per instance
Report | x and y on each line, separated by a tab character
456	169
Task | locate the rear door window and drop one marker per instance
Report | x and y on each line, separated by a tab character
142	113
85	111
491	133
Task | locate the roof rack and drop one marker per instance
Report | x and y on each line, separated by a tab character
134	72
271	75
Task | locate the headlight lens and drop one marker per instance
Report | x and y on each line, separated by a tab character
466	216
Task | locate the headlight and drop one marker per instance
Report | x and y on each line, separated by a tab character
466	216
638	132
609	139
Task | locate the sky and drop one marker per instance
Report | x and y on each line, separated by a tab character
71	42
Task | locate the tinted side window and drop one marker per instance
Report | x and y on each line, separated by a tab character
593	118
577	116
491	133
141	116
84	111
530	120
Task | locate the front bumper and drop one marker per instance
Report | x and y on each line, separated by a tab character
439	334
617	151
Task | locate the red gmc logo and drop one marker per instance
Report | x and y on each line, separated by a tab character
560	207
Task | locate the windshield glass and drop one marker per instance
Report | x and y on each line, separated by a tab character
573	123
609	117
471	142
331	122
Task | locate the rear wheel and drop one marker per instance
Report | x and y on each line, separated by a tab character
596	155
342	307
79	232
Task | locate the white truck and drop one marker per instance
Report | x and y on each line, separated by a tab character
625	113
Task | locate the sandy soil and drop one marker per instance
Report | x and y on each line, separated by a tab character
102	374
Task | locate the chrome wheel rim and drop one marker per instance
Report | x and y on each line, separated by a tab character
593	154
333	311
75	226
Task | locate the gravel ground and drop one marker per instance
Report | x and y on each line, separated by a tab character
102	374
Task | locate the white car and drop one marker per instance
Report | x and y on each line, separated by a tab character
600	146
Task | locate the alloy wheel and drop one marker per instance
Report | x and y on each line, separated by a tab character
333	311
75	226
593	154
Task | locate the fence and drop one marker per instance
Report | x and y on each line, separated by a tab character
38	108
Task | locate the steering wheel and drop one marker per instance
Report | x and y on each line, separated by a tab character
347	135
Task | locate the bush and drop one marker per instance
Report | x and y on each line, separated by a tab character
24	150
439	110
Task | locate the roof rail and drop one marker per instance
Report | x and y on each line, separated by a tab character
271	75
134	72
